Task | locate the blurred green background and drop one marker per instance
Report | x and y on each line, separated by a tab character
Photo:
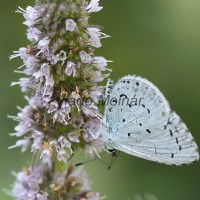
159	40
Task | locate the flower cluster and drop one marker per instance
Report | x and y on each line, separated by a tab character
41	183
62	76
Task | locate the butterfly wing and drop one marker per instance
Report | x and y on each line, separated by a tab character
144	126
172	144
135	101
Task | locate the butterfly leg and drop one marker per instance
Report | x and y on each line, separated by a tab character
115	153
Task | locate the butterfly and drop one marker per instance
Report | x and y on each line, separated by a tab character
138	121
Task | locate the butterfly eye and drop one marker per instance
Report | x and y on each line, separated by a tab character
111	150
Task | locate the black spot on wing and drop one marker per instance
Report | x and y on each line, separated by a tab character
171	133
148	131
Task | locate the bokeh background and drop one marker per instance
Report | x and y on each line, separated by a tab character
159	40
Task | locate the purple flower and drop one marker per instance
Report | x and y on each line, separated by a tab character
30	14
85	58
74	136
100	63
24	143
90	110
64	142
53	106
90	129
43	45
93	6
43	72
70	69
70	25
65	108
33	34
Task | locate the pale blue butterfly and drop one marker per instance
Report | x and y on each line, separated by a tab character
138	121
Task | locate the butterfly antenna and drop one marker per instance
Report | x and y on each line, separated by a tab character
88	161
